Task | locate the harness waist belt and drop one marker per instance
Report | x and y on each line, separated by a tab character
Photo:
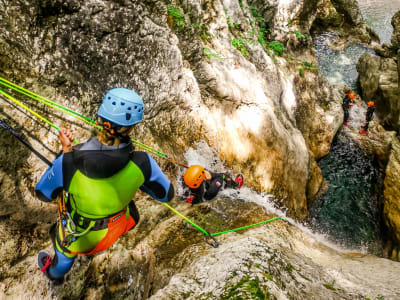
84	222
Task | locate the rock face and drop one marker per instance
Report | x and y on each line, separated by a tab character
379	83
379	79
391	209
215	72
199	80
344	17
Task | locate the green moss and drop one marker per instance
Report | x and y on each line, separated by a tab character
246	288
268	276
210	55
329	286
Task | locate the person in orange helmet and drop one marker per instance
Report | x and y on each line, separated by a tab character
347	102
205	185
368	117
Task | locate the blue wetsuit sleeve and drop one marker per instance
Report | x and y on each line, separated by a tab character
158	185
51	183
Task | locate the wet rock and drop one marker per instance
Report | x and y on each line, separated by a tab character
391	208
395	40
379	83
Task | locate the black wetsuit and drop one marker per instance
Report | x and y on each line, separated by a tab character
369	116
210	188
346	107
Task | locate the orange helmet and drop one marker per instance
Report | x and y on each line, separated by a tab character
371	103
194	176
351	96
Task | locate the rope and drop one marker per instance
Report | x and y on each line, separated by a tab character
32	112
222	232
79	116
248	226
91	122
185	218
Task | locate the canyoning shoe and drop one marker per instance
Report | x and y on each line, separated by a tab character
239	180
346	124
363	132
44	262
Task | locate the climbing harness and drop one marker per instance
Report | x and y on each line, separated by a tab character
69	227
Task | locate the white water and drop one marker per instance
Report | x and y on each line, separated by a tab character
378	15
204	155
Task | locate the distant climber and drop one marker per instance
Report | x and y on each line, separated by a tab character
347	103
205	185
369	115
95	182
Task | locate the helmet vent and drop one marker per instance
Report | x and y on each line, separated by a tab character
129	108
135	107
113	103
122	103
109	98
128	117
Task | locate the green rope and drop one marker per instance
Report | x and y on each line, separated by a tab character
91	122
32	112
245	227
185	218
72	113
41	99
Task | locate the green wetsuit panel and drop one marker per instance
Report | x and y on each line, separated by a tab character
99	198
102	197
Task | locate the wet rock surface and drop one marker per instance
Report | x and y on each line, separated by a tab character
205	74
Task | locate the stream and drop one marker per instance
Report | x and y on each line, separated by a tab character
348	212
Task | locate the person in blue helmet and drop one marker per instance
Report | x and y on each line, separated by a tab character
95	183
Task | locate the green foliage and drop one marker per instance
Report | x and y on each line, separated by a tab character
239	45
228	19
241	4
301	72
197	25
289	22
247	286
255	14
237	26
329	286
277	47
210	55
300	35
177	16
309	66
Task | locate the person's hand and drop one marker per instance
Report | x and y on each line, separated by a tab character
66	139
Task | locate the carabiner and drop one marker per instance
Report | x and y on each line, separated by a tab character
214	244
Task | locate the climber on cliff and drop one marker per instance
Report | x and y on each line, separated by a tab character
204	185
368	117
347	103
95	183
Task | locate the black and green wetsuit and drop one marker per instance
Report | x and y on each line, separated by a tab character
100	182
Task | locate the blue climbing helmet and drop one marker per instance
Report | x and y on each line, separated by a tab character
122	107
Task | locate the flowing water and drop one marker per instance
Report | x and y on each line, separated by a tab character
378	15
348	212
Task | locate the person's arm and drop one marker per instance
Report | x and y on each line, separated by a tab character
50	184
158	185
